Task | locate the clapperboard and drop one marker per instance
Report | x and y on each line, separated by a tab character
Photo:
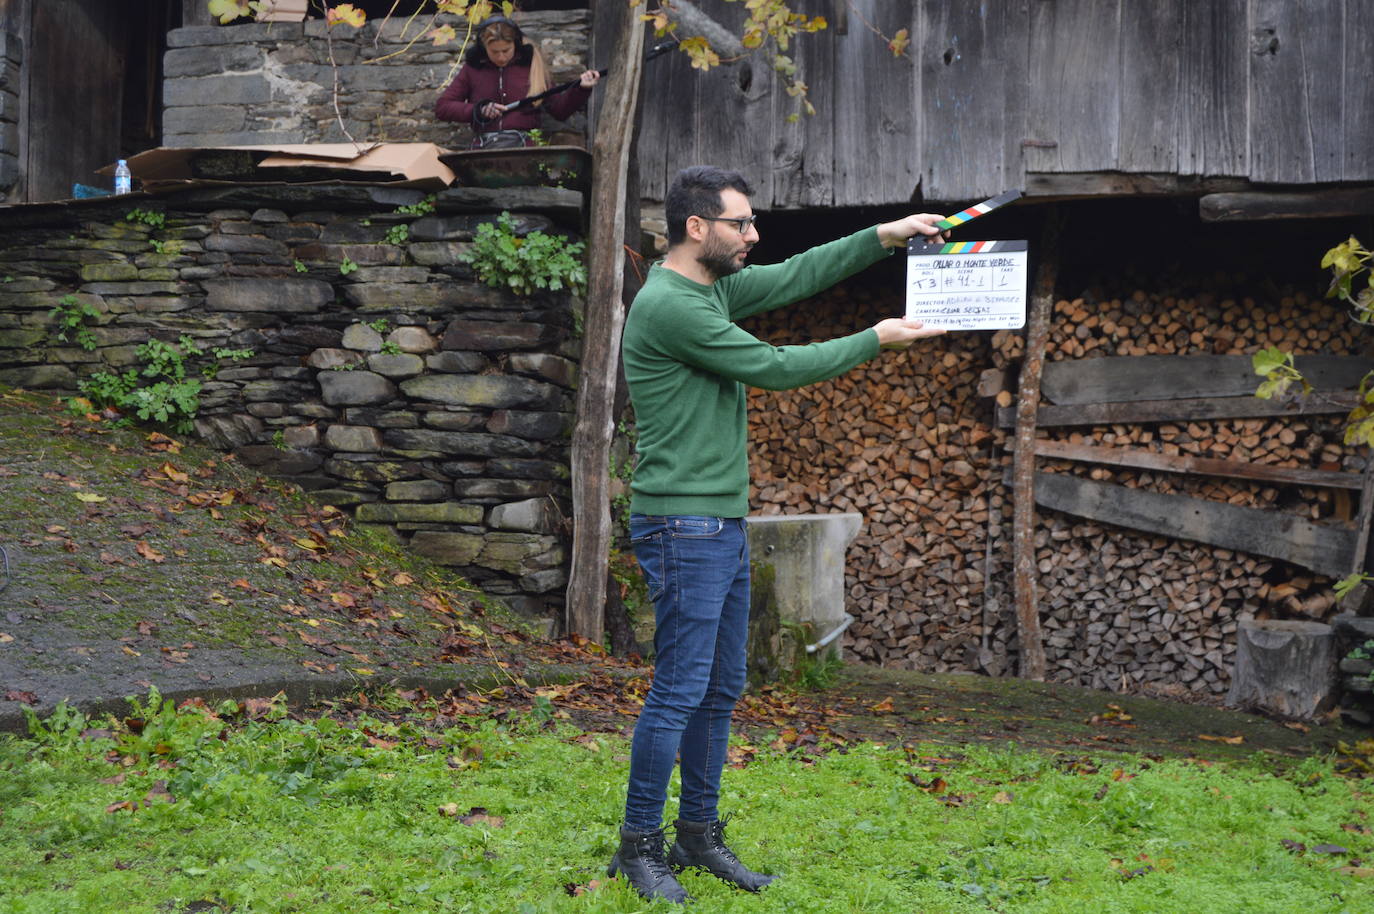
968	285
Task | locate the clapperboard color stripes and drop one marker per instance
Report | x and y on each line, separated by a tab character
980	209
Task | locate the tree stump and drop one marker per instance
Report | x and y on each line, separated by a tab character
1284	667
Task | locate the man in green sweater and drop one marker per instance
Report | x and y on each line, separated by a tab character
687	362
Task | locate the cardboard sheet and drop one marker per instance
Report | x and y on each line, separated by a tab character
412	164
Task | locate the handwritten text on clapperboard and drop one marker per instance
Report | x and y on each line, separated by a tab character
967	285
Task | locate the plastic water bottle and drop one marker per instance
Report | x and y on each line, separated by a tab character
124	179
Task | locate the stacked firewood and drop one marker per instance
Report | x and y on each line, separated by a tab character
906	441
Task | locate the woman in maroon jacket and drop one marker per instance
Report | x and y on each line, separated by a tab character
502	68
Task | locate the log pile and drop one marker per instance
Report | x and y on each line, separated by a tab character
906	441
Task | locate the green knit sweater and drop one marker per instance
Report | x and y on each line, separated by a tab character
687	361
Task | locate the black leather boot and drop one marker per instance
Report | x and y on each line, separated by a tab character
641	859
702	844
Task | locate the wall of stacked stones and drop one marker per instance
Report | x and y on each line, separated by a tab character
272	82
436	408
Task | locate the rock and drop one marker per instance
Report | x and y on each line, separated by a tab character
447	548
439	253
456	362
380	471
109	272
519	553
343	498
488	391
329	359
544	581
381	418
413	339
454	421
537	426
416	442
448	512
227	432
430	298
356	439
276	296
301	436
560	371
533	515
498	335
278	461
355	388
362	338
402	365
418	490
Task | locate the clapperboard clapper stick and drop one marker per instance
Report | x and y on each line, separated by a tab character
980	209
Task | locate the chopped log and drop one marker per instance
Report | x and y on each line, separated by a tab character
1284	667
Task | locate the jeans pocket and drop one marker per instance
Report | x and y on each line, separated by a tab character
687	525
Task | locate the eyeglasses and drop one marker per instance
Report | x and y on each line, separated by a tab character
741	223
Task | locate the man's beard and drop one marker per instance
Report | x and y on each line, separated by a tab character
719	258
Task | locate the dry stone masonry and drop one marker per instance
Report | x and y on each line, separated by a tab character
271	82
435	408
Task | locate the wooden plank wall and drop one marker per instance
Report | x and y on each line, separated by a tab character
1274	91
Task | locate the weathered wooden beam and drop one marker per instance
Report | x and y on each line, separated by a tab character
1323	548
1313	204
602	326
1316	403
1183	377
1070	185
1207	466
1031	647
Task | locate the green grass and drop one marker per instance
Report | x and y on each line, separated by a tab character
383	813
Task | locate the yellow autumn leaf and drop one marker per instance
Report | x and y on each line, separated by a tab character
348	14
1229	740
443	35
273	560
174	474
307	543
402	578
5	639
89	497
362	670
221	599
228	10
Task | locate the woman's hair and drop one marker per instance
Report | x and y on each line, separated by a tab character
499	28
696	191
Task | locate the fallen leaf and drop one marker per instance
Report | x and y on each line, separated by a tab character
478	816
1296	847
89	497
174	474
5	639
1229	740
148	552
402	578
130	651
1329	849
217	597
884	706
28	698
1359	872
1003	797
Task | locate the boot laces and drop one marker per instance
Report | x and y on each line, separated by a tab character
651	847
718	840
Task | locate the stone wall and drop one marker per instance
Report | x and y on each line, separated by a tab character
272	82
11	55
447	426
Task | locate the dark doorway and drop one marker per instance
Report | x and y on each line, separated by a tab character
93	72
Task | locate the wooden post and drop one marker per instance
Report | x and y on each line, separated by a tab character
602	324
1032	646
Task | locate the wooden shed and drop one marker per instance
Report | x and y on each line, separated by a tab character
1059	97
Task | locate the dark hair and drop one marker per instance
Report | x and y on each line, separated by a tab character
477	51
696	191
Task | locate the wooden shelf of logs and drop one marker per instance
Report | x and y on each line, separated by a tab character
1171	503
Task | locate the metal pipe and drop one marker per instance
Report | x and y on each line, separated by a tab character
839	630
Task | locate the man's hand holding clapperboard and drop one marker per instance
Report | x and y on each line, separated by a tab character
968	285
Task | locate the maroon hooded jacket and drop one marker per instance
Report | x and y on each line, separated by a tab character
503	85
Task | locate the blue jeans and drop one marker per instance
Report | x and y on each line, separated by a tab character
697	571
